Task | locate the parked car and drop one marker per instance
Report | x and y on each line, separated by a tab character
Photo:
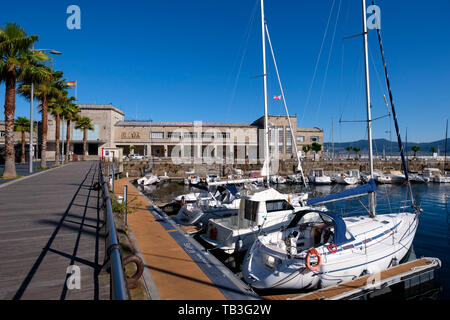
136	157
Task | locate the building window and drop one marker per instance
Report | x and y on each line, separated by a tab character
157	135
190	135
207	135
224	135
2	134
314	139
300	139
288	141
174	135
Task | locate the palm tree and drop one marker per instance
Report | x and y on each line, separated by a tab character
22	124
14	58
349	148
356	149
56	109
71	113
46	86
415	149
433	150
85	124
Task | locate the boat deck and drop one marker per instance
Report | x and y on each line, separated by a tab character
178	267
362	285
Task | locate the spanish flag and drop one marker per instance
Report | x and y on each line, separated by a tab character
72	83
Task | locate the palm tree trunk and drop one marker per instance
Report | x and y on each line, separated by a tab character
22	156
10	106
67	142
58	124
44	133
84	143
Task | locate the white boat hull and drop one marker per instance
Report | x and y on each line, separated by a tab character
344	265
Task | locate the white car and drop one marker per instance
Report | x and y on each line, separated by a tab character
136	157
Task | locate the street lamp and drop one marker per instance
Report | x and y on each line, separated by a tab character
30	151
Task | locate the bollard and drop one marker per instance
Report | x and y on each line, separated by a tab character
125	200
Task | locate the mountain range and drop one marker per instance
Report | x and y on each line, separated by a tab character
382	144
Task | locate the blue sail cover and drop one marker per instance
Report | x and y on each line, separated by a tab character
350	193
232	189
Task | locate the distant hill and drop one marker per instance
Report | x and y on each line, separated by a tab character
382	144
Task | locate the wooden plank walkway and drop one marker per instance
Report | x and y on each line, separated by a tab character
49	222
175	275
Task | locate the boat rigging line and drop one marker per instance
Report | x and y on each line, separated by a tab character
317	61
294	142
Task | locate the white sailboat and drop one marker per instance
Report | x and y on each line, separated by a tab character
320	249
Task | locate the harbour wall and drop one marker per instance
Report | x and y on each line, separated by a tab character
137	168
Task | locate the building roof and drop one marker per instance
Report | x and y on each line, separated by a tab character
100	107
134	123
315	129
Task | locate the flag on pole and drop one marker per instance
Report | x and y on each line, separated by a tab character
277	97
72	83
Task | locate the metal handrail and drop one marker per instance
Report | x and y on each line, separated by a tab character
113	253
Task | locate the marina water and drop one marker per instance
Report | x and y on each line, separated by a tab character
432	238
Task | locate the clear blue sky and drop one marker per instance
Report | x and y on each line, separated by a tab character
197	60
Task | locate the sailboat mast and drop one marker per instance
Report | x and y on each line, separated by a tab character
369	116
445	146
266	118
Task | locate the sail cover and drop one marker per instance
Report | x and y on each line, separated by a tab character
346	194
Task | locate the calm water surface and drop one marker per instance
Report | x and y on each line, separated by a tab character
432	238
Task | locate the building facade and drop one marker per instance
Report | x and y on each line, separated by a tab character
186	141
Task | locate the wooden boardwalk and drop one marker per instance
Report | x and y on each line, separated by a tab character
49	222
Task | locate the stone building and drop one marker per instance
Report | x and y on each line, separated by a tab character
183	141
103	116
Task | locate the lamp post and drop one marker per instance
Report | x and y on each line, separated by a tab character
30	151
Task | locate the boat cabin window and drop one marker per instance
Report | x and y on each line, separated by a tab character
251	209
278	205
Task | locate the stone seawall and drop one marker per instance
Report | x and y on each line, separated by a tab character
137	168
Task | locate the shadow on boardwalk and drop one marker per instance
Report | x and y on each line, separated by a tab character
51	222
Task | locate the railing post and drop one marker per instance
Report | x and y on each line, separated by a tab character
125	201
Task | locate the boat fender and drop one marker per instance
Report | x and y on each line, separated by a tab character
239	244
332	248
213	233
313	252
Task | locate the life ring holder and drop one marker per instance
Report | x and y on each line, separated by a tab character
313	252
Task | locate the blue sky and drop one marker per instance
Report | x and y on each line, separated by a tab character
198	60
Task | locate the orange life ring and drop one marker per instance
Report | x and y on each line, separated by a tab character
312	252
332	248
